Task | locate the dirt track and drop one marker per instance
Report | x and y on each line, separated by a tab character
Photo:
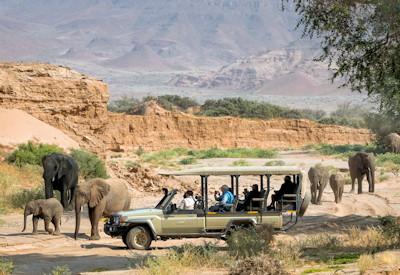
37	254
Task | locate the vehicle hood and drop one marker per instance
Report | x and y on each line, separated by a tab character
140	212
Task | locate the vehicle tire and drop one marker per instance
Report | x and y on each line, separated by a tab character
304	204
138	238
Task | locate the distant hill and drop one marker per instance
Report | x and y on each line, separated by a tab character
276	72
143	35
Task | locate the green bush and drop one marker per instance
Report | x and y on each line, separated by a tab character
168	102
240	162
233	153
90	165
20	198
124	105
30	153
275	163
6	266
61	270
188	161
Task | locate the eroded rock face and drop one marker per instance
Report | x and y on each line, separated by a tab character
77	105
59	96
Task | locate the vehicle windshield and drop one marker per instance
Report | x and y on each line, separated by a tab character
168	196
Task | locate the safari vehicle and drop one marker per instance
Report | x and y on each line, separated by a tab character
139	227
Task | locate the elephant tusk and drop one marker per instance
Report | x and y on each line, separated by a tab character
53	179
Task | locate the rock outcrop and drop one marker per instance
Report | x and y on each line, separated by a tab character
77	105
59	96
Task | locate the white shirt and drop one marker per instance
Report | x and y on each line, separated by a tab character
187	204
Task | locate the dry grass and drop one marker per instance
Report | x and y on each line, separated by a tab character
14	179
380	260
184	259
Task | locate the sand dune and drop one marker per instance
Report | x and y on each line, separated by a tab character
17	127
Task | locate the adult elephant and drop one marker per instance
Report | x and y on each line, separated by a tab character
103	197
60	173
319	177
362	164
392	143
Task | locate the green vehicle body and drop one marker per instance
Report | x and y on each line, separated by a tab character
165	221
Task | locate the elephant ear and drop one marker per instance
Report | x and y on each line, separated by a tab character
98	190
36	209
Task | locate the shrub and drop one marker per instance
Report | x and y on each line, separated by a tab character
13	179
90	165
30	153
188	160
275	163
123	105
258	265
365	263
247	242
233	153
168	102
186	257
139	151
240	162
131	165
6	266
20	198
61	270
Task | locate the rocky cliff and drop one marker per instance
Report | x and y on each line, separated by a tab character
77	105
59	96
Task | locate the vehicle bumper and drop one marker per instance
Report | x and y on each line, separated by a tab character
115	230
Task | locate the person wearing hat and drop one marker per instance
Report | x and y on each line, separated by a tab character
225	200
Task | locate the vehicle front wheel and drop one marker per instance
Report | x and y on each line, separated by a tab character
138	238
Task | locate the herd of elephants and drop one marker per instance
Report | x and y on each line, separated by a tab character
105	196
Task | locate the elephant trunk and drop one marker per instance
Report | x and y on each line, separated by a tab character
48	187
77	218
25	217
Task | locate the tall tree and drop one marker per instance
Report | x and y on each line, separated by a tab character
360	39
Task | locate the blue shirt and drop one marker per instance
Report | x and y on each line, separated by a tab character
227	198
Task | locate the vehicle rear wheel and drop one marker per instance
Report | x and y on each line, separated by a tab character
138	238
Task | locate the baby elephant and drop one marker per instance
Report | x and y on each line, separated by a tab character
49	210
336	182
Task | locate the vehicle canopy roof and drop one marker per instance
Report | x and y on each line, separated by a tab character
228	170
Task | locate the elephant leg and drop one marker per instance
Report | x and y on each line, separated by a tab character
313	194
64	197
359	181
353	180
35	221
56	223
340	193
94	217
321	189
72	196
47	225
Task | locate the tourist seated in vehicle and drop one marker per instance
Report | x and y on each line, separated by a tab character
225	200
188	201
249	196
288	187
